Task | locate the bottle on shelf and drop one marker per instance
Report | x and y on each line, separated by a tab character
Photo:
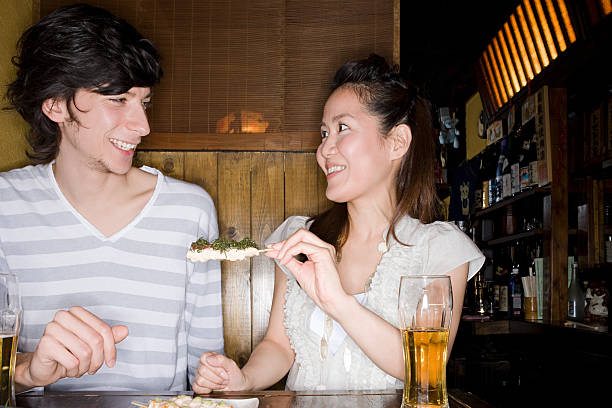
506	170
526	154
515	146
502	277
515	288
575	297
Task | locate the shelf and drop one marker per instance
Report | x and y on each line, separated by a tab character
514	237
512	200
601	170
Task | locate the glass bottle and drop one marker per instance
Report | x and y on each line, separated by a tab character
575	297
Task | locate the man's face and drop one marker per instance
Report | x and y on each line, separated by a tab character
107	129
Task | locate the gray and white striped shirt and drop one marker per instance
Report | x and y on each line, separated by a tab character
138	277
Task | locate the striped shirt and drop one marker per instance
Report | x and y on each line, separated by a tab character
138	277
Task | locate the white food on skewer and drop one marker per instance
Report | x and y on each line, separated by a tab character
222	249
207	254
186	401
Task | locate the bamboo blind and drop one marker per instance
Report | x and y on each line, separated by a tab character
249	75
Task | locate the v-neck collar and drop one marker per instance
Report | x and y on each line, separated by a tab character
95	231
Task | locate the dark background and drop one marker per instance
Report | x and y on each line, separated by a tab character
440	44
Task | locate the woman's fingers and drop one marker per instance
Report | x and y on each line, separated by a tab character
317	254
301	235
210	377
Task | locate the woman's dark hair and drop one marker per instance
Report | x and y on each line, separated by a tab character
75	47
394	101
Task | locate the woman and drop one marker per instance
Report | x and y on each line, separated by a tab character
333	322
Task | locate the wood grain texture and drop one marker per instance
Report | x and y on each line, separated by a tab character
559	204
201	169
301	184
172	164
267	213
235	223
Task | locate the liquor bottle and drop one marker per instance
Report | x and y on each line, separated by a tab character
575	297
515	287
526	154
506	187
514	147
502	275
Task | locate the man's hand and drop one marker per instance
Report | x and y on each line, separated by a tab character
74	343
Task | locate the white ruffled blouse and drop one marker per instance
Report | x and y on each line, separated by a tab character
435	248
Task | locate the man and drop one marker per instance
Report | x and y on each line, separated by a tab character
109	300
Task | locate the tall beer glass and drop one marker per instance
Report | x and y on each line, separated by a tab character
10	315
425	314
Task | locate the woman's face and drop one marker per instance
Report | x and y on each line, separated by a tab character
354	156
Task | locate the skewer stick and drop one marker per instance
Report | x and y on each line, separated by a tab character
138	404
264	250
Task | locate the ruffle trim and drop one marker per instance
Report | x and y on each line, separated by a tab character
363	373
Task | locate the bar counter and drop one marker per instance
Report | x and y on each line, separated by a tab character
267	399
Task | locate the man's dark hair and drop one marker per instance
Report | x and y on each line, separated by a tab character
75	47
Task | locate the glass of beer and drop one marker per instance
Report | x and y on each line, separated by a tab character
10	315
425	313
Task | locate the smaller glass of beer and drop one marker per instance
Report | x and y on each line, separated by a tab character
10	315
425	313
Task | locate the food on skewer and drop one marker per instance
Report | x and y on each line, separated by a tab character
222	249
183	401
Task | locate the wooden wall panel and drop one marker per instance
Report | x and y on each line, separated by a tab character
201	169
235	223
301	184
172	164
267	213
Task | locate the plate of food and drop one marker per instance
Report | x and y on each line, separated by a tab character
223	249
187	401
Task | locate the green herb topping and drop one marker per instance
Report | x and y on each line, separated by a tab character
223	244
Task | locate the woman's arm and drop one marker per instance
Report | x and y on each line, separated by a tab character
381	341
458	281
273	356
269	361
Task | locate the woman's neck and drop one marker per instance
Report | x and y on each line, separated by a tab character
369	220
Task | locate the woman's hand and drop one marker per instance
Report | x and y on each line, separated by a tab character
317	276
217	372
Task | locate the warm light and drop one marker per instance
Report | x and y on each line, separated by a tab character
569	28
532	37
509	61
547	33
606	6
530	46
536	34
521	46
491	79
500	84
515	57
556	25
503	69
249	122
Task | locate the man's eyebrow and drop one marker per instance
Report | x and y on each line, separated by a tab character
338	117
